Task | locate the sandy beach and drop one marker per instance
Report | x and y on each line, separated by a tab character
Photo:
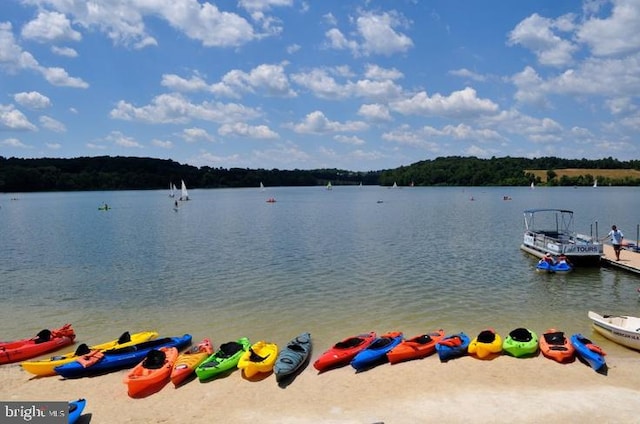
503	390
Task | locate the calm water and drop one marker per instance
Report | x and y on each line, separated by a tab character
334	263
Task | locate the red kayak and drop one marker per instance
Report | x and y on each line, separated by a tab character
416	347
45	341
344	351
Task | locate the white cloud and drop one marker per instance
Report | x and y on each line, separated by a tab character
536	33
353	140
119	139
163	144
52	124
616	34
379	34
53	146
459	104
375	112
32	100
64	51
244	130
174	108
50	27
268	79
253	5
317	123
193	135
11	118
376	72
15	143
467	74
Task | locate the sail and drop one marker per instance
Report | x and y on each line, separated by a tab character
329	185
184	193
172	190
532	185
261	186
595	183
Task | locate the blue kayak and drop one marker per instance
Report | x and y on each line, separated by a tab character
75	410
589	353
376	352
559	267
453	346
116	359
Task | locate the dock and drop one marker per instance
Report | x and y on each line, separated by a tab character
629	259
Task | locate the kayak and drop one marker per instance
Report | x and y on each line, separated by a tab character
555	268
521	342
416	347
487	345
45	367
343	352
150	375
453	346
97	362
292	358
43	342
554	345
187	362
590	353
260	358
376	352
75	410
224	359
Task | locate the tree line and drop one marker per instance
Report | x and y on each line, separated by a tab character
136	173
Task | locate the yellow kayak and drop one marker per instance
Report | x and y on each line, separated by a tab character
259	358
44	367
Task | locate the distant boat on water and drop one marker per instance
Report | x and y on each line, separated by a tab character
184	194
329	185
172	190
595	183
261	186
533	185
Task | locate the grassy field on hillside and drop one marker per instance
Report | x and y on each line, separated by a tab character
595	173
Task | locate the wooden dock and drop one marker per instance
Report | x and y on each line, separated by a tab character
629	259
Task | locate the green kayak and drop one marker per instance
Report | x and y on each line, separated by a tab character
224	359
521	342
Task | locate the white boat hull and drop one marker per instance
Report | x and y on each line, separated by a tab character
624	330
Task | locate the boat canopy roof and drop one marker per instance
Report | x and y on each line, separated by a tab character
530	211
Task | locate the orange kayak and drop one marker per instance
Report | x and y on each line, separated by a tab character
416	347
45	341
150	375
554	345
188	361
344	351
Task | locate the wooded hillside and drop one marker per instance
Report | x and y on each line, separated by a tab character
127	173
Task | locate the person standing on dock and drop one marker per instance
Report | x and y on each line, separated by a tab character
616	240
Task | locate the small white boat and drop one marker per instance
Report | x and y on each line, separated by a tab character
172	190
622	329
184	194
329	185
595	183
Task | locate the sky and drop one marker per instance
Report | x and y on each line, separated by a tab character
307	84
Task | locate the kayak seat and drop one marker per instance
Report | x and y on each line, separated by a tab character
521	335
556	338
486	336
295	348
349	343
424	339
124	338
379	343
82	349
154	360
254	357
211	364
42	336
229	349
558	348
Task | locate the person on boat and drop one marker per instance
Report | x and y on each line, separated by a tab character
548	259
176	203
562	259
616	240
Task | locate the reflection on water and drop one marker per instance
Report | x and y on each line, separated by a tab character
349	260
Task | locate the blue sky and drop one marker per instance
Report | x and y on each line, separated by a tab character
291	84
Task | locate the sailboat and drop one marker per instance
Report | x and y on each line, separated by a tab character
395	185
595	183
533	185
329	185
184	193
261	186
172	190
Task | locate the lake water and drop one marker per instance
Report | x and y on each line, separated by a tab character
333	262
